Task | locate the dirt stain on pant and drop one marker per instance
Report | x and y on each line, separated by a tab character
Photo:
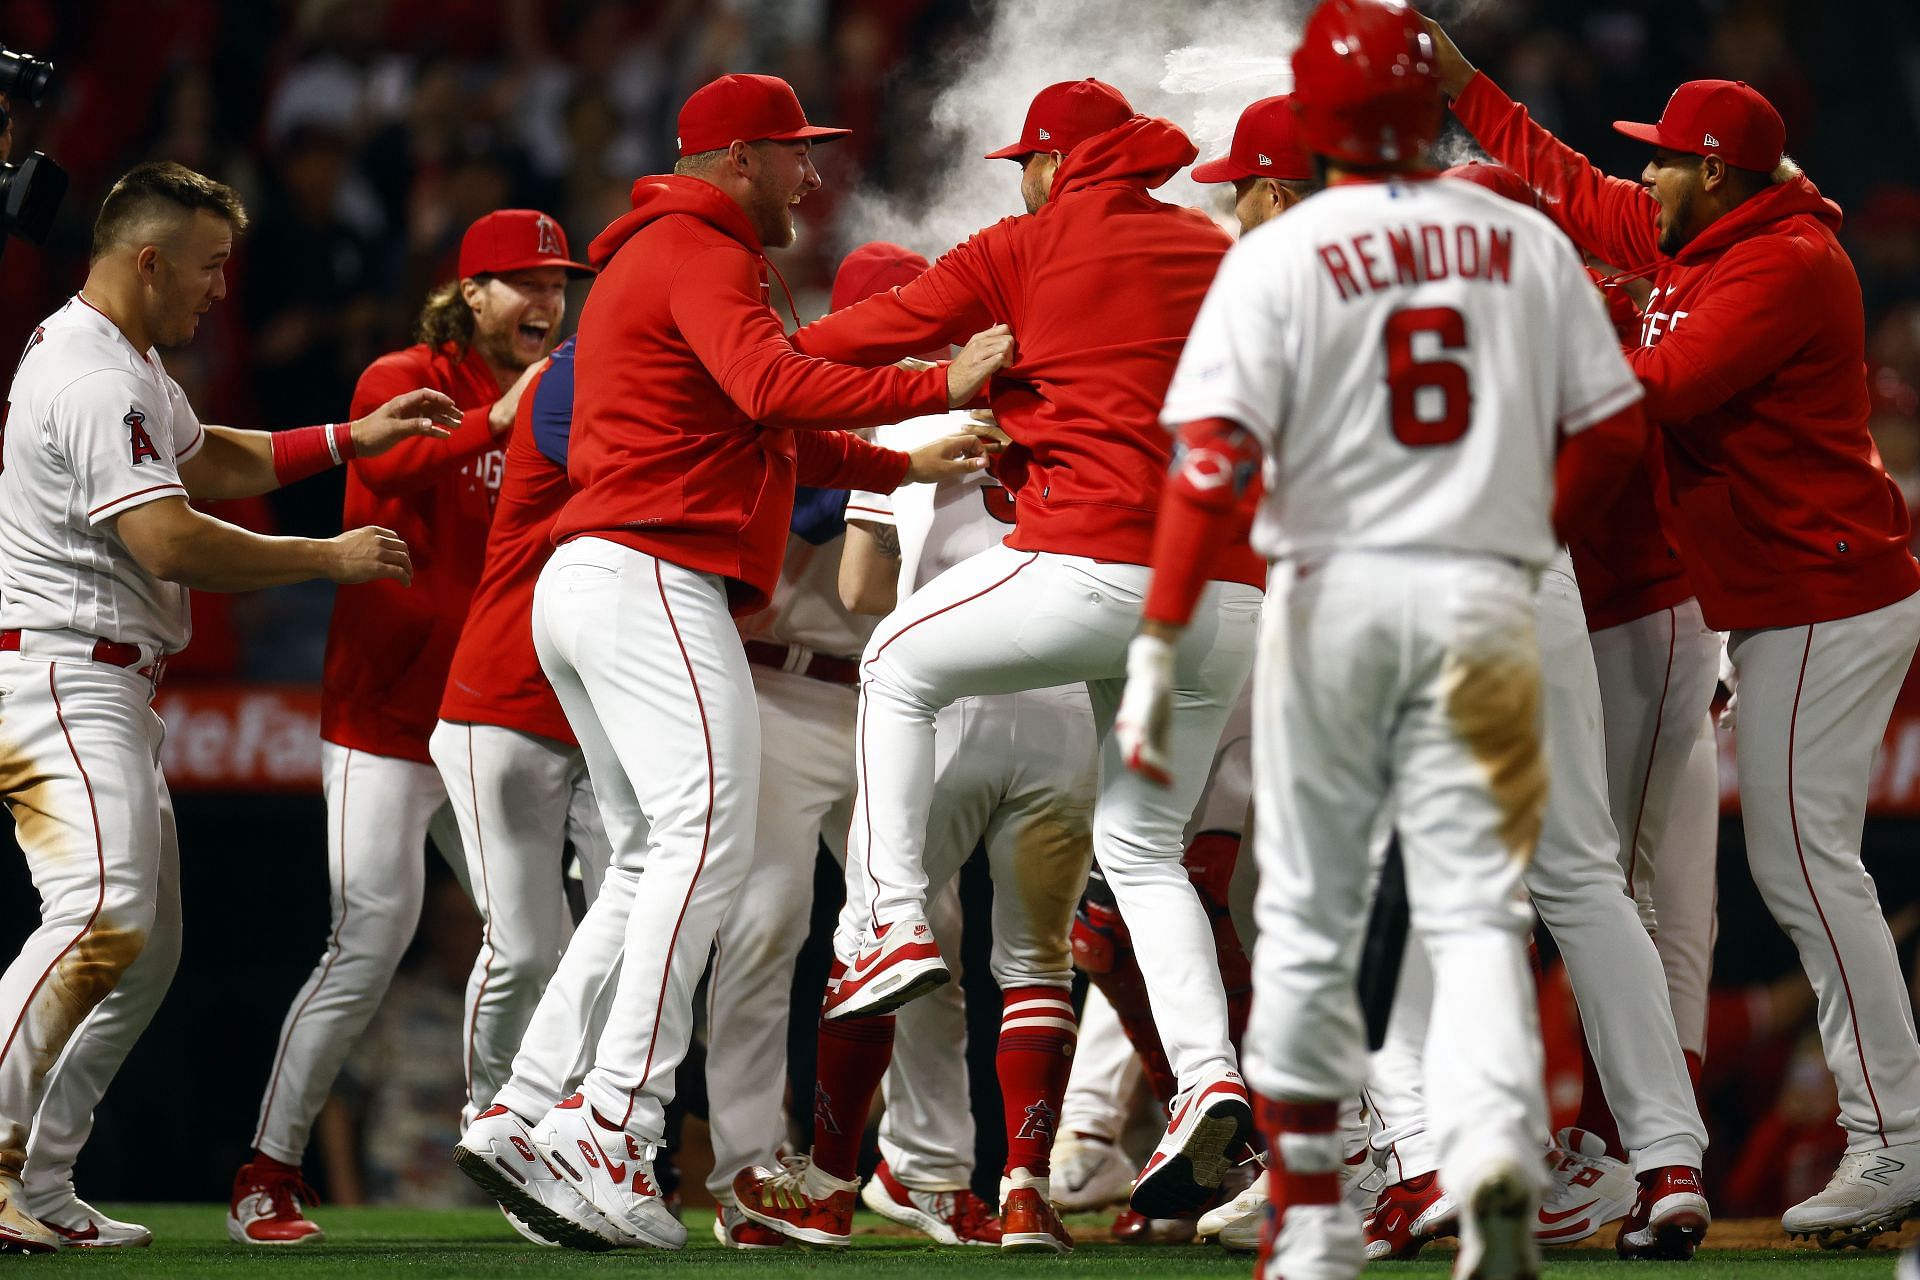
1053	853
1494	704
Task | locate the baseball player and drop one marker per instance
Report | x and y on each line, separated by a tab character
1403	357
98	548
694	418
1793	536
803	650
1056	601
482	338
1015	772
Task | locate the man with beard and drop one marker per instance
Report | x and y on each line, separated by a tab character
481	337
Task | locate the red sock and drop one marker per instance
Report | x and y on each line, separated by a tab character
854	1053
1307	1133
1037	1035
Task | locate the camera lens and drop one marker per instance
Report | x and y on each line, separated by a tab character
24	76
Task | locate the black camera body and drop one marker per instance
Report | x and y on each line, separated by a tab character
30	192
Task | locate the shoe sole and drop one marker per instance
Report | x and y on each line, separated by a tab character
505	1190
805	1235
1504	1213
1182	1185
727	1241
1034	1242
1855	1235
907	983
238	1234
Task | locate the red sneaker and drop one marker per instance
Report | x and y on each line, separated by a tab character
1669	1216
267	1199
802	1201
950	1217
1028	1223
1407	1215
899	963
737	1231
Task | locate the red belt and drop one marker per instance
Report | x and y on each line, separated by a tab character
818	667
111	652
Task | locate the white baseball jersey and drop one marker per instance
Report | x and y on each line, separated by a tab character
1369	339
93	429
940	524
806	609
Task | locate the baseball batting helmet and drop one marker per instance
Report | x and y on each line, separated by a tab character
1366	83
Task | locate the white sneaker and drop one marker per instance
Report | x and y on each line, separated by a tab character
497	1152
1237	1224
81	1226
1089	1173
1496	1228
1589	1188
1211	1121
896	963
1315	1242
20	1231
1871	1192
618	1183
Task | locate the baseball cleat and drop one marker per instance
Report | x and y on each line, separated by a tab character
1589	1189
81	1226
1312	1242
267	1203
20	1231
1239	1223
1407	1215
611	1170
1870	1192
1496	1231
900	962
802	1201
1129	1227
1669	1216
1028	1222
1089	1173
1211	1122
735	1230
950	1217
497	1152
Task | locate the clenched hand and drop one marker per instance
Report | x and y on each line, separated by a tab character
361	555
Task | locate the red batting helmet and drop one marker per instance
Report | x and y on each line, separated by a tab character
1366	83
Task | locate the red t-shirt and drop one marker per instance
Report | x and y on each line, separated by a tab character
389	645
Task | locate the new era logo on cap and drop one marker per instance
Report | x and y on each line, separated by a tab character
1045	136
1264	161
1711	141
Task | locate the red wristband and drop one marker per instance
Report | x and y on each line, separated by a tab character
307	451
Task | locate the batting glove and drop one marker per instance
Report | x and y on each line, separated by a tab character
1145	718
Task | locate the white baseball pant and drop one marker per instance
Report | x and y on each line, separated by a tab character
518	799
1411	676
1685	893
1005	621
648	666
80	768
1105	1077
380	810
1814	702
806	793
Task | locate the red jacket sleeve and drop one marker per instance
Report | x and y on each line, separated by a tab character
947	304
1610	218
715	299
1755	317
842	460
419	462
1594	468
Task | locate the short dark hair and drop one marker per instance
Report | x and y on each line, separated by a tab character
155	188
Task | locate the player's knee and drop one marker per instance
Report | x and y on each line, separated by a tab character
93	965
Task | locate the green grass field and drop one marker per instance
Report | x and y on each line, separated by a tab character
472	1242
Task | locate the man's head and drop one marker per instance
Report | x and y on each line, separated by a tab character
511	293
1366	86
1269	172
1718	143
747	135
1060	118
163	238
876	267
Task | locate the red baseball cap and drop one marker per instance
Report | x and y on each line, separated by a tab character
1266	144
1496	178
746	108
1725	118
514	240
1065	115
874	268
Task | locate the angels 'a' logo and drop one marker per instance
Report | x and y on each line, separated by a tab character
824	1120
137	437
549	237
1040	1120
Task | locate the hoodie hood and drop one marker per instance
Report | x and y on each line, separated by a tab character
1145	151
1797	197
662	195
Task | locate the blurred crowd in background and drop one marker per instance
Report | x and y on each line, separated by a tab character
365	135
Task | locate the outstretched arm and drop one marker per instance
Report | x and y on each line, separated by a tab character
236	463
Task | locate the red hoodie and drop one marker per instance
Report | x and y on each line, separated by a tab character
694	417
1101	287
1753	357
